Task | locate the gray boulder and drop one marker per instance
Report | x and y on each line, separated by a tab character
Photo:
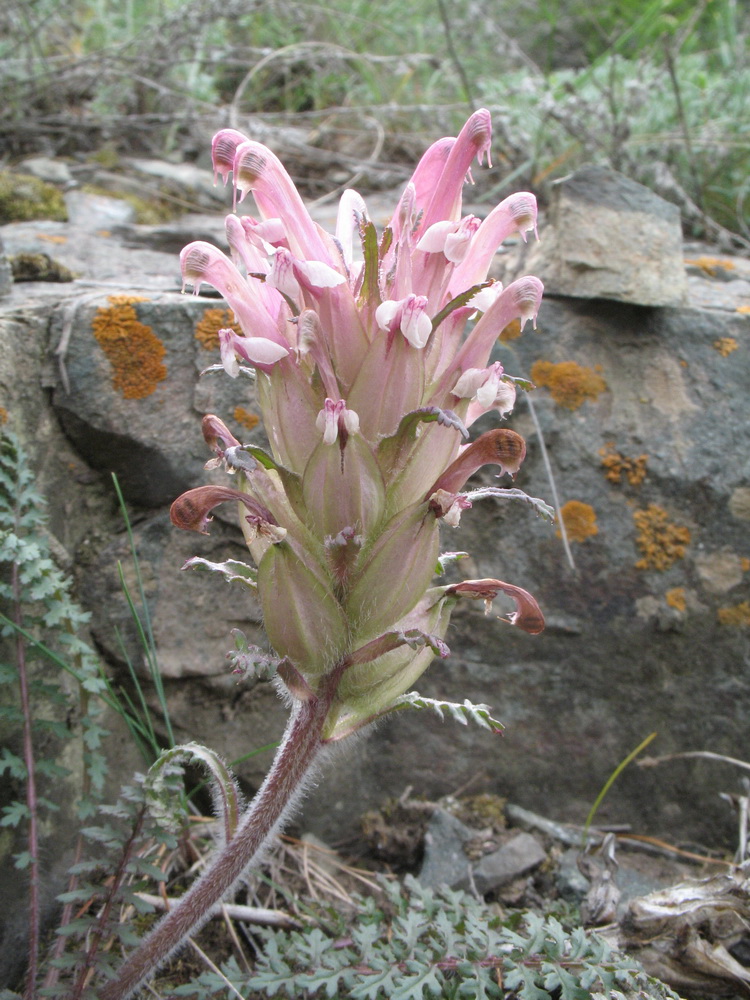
609	237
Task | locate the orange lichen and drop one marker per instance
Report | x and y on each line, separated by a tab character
676	598
725	345
711	265
208	326
511	332
743	309
661	542
579	519
245	418
569	383
134	352
737	614
3	415
745	564
617	466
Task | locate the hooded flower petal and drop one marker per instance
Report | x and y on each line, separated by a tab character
528	615
473	140
516	214
192	510
501	447
202	262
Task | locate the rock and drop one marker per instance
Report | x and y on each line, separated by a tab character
610	238
135	411
97	211
445	861
191	181
6	275
516	857
48	169
648	633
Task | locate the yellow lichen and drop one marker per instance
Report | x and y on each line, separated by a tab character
711	265
661	542
725	345
616	466
569	383
737	614
676	598
208	326
511	332
743	309
579	519
245	418
132	349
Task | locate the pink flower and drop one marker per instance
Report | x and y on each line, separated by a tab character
366	379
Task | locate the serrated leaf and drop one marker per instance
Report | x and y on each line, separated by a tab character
372	984
232	569
413	987
14	814
461	712
542	508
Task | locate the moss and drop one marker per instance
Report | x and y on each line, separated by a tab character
579	519
660	542
737	614
134	351
616	466
725	345
482	811
208	326
23	197
676	599
569	383
245	418
38	267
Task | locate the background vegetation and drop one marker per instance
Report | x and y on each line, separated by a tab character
657	88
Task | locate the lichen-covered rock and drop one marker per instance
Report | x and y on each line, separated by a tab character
628	649
132	400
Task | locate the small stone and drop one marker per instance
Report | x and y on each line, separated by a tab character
97	211
48	169
514	858
445	861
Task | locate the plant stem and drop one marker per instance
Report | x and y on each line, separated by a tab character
296	757
458	65
31	799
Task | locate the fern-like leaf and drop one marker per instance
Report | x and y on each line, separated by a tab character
463	712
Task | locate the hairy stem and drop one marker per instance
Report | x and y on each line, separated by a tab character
295	758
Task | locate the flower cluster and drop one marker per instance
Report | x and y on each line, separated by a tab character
371	358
